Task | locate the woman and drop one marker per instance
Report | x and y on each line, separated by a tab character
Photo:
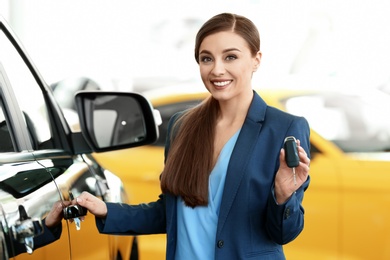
227	192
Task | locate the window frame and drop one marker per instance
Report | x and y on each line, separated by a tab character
13	115
59	128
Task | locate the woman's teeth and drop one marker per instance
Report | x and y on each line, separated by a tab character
221	84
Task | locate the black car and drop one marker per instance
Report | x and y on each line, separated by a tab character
42	161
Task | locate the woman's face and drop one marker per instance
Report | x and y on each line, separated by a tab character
226	65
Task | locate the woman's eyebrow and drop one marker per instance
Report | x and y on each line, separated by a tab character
231	49
204	52
224	51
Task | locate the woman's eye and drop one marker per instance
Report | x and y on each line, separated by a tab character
205	59
231	57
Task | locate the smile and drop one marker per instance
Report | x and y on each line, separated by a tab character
222	83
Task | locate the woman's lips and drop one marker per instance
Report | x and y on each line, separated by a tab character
222	83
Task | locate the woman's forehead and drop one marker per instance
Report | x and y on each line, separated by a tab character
223	40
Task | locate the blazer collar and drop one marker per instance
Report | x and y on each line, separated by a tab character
257	109
241	154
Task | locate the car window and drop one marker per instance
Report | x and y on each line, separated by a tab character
167	112
28	94
5	136
26	182
355	123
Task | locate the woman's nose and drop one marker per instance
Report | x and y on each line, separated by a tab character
219	68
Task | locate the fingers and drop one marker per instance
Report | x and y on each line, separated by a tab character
55	215
94	205
282	158
304	161
302	154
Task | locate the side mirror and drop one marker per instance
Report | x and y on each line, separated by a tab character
116	120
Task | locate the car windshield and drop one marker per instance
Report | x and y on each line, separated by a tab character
354	122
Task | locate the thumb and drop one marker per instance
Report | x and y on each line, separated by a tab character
282	158
81	201
94	205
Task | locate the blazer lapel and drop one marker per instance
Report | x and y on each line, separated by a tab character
241	154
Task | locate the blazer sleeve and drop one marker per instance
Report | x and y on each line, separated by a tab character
286	221
125	219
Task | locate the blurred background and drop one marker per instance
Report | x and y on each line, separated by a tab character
133	45
324	44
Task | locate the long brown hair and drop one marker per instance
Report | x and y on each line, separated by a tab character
190	159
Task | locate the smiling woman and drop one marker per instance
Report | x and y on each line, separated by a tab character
234	127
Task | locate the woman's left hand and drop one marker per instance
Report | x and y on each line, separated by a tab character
285	183
55	215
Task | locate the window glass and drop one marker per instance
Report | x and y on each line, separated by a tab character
5	136
355	123
25	182
28	94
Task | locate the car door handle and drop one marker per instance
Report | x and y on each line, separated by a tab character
26	228
74	212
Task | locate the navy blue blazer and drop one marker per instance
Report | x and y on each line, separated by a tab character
251	224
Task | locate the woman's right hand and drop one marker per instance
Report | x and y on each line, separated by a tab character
94	205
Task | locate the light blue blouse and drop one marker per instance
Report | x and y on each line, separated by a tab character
197	227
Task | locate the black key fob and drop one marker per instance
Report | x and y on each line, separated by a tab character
291	152
74	211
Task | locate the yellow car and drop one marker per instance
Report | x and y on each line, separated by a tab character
347	206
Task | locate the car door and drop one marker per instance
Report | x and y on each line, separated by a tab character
27	144
38	168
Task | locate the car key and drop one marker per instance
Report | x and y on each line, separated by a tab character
74	212
291	154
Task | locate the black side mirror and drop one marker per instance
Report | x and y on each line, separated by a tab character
115	120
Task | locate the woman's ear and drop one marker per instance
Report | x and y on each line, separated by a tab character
257	61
